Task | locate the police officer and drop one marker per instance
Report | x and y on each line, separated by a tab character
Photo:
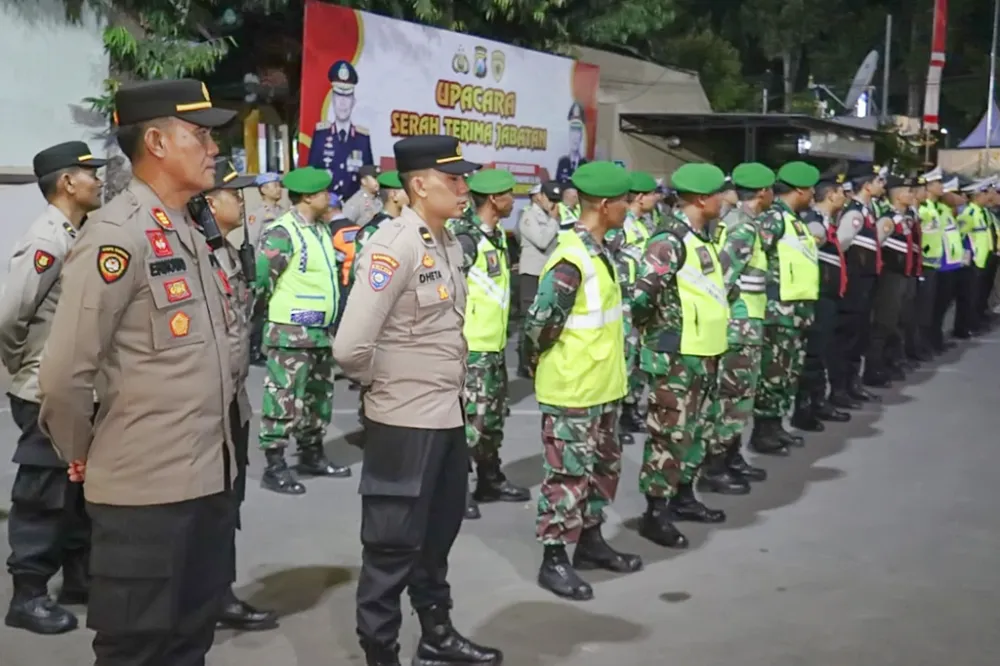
571	162
142	319
975	220
271	207
944	196
338	145
365	203
537	229
568	208
48	527
401	338
217	214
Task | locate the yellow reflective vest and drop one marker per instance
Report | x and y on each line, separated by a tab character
307	293
798	261
488	304
974	222
753	280
704	306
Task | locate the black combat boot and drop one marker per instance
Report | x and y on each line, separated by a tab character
277	476
33	609
787	438
804	417
593	552
827	412
472	511
630	419
857	392
765	438
441	644
241	616
684	506
897	371
656	525
313	462
379	655
716	477
737	464
493	486
877	378
559	577
842	400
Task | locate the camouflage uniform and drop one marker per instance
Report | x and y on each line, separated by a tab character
626	256
581	457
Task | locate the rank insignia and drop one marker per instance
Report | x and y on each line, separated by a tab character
112	262
43	261
158	241
380	273
427	261
177	290
442	292
425	235
160	217
180	324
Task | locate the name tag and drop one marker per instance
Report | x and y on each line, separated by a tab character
705	257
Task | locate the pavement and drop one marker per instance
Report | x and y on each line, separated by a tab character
876	544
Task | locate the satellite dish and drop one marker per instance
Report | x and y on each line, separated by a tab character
862	79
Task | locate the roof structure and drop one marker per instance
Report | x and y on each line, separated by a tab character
977	138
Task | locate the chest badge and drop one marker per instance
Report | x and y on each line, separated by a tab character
180	324
427	261
43	261
158	241
161	218
442	292
177	290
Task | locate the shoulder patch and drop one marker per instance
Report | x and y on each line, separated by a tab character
161	218
43	261
112	262
381	271
378	257
361	130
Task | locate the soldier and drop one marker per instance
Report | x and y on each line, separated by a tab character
365	203
142	319
681	310
744	270
402	339
911	327
338	145
946	199
569	163
568	208
487	312
48	527
218	214
832	239
792	290
297	280
575	344
537	230
271	208
975	221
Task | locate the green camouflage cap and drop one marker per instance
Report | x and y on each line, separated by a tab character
605	180
307	180
641	182
753	176
390	180
491	181
799	174
697	178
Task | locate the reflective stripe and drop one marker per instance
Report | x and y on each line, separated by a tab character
595	316
492	289
702	282
752	283
828	258
866	242
897	245
793	241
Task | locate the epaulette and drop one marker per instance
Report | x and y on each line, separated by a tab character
322	126
361	130
118	211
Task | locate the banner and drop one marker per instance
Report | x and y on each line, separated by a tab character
369	81
932	95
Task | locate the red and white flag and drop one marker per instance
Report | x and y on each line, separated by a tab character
933	93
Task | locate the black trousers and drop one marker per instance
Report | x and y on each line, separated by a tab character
48	527
413	486
986	286
923	312
966	298
888	305
903	341
944	295
820	340
159	575
527	288
854	316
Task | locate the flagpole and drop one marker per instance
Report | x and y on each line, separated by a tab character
990	104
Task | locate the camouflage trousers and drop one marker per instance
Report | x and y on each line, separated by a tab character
739	372
582	465
298	396
679	424
782	356
636	377
485	396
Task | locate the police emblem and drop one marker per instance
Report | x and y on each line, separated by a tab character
112	262
498	63
43	261
343	73
480	66
380	273
427	261
460	63
180	324
177	290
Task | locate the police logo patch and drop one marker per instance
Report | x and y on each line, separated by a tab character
379	276
161	218
158	241
177	290
43	261
427	261
858	223
180	324
112	262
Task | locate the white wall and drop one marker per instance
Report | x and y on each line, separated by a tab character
48	67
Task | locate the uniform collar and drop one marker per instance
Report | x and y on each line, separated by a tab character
56	215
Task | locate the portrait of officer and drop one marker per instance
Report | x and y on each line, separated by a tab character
569	163
143	322
338	145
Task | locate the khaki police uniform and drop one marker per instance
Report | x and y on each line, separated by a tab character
143	318
362	207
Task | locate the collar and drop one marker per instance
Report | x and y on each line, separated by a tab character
56	215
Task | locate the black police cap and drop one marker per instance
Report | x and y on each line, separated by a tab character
432	151
228	178
862	173
186	99
892	181
64	156
553	189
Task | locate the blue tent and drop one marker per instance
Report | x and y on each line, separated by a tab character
977	139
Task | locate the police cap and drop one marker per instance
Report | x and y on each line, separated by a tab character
64	156
859	174
698	178
553	190
368	170
798	174
390	180
267	177
753	176
892	181
307	180
343	77
432	151
641	182
228	178
604	180
186	99
491	181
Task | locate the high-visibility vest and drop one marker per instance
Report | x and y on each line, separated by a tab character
954	249
753	280
977	226
635	231
932	231
343	245
704	305
567	217
488	303
798	262
586	365
307	292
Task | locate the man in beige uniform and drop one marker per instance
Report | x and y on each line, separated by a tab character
48	527
537	231
272	206
365	203
401	339
143	320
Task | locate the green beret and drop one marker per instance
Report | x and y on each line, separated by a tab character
799	174
307	180
491	181
753	176
605	180
390	180
697	178
641	182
